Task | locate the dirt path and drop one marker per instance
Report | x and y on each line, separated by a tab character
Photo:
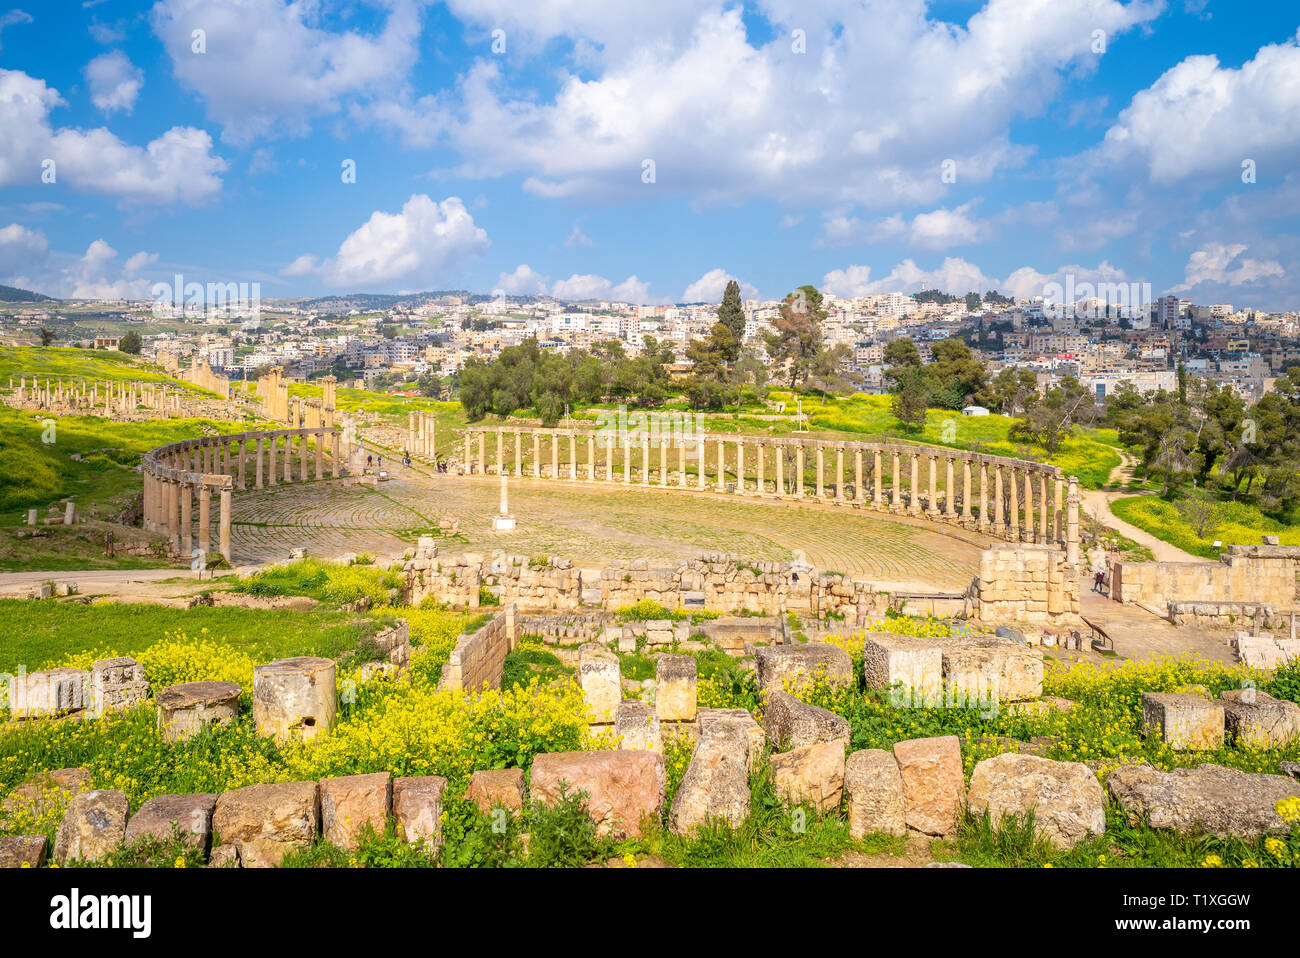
1096	502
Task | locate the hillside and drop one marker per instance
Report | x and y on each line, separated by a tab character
12	294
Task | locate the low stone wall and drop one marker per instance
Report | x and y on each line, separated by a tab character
566	629
479	657
1228	615
1031	585
1254	574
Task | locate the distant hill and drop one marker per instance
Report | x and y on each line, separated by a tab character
11	294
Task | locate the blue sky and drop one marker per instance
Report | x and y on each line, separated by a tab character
871	147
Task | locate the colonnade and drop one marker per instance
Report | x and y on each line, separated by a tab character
112	397
1008	498
420	441
175	473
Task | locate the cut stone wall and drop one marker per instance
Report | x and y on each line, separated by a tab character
1256	574
479	657
1030	585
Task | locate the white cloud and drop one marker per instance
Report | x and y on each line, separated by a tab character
269	69
114	82
138	262
936	230
1202	119
524	281
14	17
21	249
176	167
956	276
304	265
1223	264
423	244
578	238
94	276
710	287
590	286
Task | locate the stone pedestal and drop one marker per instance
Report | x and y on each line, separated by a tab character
185	709
294	698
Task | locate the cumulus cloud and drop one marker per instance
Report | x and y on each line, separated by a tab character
96	276
524	281
936	230
304	265
590	286
177	166
1222	263
114	82
954	276
423	245
710	287
21	249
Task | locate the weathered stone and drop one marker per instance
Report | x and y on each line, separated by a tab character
1068	802
873	794
637	727
625	789
224	856
417	809
349	803
294	698
933	784
1183	720
185	710
265	822
792	724
675	677
598	674
93	825
47	791
716	783
117	684
1209	798
787	668
1010	672
910	665
190	814
813	774
497	788
22	851
1255	719
49	692
738	718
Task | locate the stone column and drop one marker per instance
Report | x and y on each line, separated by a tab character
858	494
896	490
914	506
573	457
722	465
205	518
821	470
537	455
320	455
949	489
173	515
288	458
609	458
762	454
482	453
1029	506
780	471
1072	522
877	480
223	525
1043	510
467	464
302	462
703	443
1058	519
933	508
1013	505
998	516
645	460
187	520
334	454
681	461
272	473
627	460
740	467
591	458
501	452
839	472
242	456
555	455
965	490
663	461
798	471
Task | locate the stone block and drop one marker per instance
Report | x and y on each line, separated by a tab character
294	698
191	815
813	774
417	809
1183	720
598	674
675	679
716	783
790	723
1254	719
497	788
93	825
710	719
934	786
185	710
117	684
49	692
625	789
351	802
787	668
873	794
1208	798
910	665
1010	671
1066	798
22	851
265	822
637	727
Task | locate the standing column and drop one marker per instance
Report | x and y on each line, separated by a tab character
983	519
537	455
681	461
205	518
609	458
798	471
858	494
223	525
998	517
173	515
1072	522
303	461
933	507
722	465
288	458
591	458
320	455
627	459
740	467
334	454
573	457
949	489
467	466
663	461
839	472
703	443
187	520
1058	519
501	453
821	471
762	454
896	490
482	452
243	456
555	455
877	480
1043	510
1013	505
1029	507
270	446
965	490
645	460
780	471
915	505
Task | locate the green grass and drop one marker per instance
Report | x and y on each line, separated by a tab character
91	364
42	633
1240	524
325	581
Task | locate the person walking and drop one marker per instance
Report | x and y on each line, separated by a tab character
1097	566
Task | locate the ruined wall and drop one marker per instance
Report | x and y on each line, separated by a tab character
479	657
1030	585
1255	574
201	375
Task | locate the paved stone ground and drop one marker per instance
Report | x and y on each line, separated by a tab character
596	523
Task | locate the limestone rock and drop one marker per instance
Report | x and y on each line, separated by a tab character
813	774
675	678
933	784
637	727
598	674
46	791
1068	802
294	698
22	851
792	724
497	788
624	788
1183	720
185	709
417	808
266	821
117	684
873	793
49	692
716	783
224	856
910	665
1210	798
93	825
1255	719
709	719
782	667
349	803
191	814
1011	672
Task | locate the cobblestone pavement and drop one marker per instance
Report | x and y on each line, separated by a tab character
595	523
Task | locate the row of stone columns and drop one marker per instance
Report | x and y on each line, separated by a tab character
1023	502
119	396
420	437
175	474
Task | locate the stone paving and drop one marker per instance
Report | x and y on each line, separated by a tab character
595	523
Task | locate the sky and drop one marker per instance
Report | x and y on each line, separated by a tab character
651	150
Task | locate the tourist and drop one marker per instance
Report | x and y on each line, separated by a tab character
1097	566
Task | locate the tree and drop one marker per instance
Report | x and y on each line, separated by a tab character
827	372
130	343
709	382
955	377
798	333
1051	421
1013	391
909	402
47	335
902	352
731	313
